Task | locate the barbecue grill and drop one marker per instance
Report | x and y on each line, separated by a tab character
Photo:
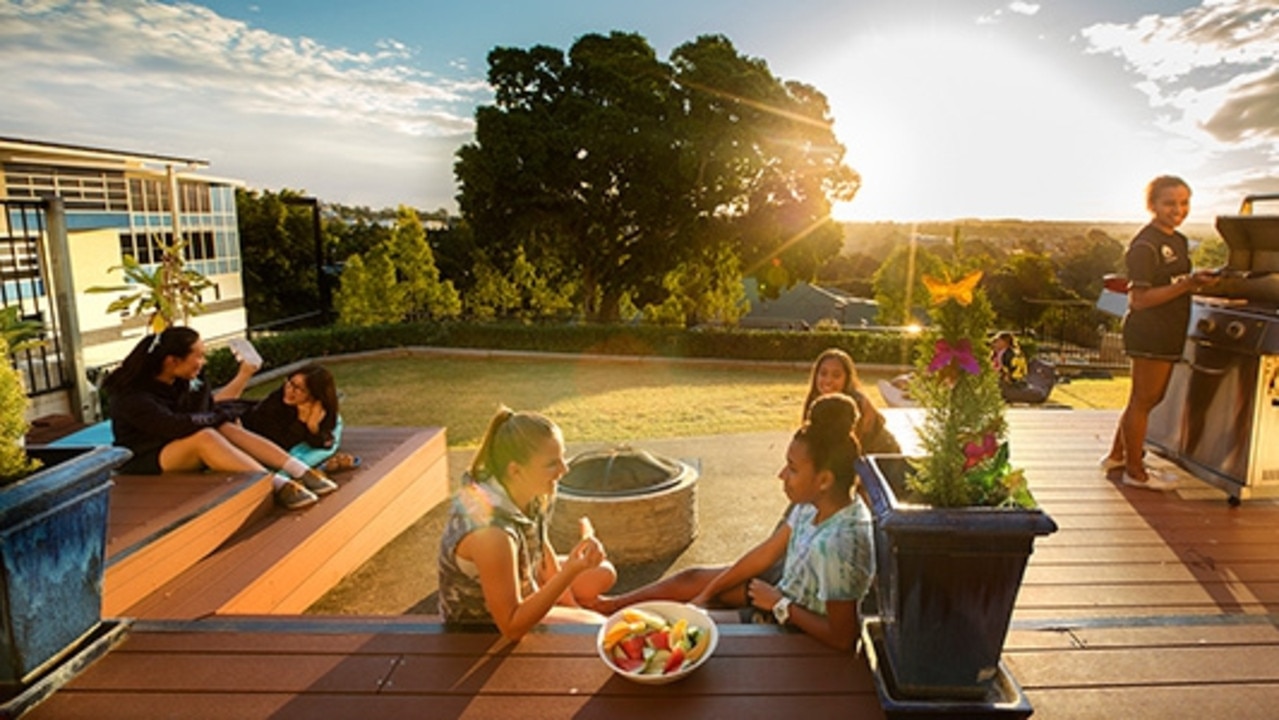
1220	417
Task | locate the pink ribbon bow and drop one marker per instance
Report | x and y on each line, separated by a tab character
960	355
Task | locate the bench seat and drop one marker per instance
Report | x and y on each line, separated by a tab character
194	544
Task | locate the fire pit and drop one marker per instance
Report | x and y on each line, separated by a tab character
643	506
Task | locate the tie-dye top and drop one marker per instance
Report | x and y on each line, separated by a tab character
479	505
831	561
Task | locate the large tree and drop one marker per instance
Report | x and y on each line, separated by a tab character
619	168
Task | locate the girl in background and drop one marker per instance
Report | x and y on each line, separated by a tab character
496	563
162	412
834	372
1007	358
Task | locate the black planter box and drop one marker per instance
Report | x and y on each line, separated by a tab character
946	583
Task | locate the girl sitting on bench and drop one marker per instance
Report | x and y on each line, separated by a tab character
163	412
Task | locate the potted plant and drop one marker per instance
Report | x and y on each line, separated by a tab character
956	525
53	527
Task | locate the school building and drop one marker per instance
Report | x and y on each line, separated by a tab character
70	215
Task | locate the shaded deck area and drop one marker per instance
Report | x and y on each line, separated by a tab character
1142	605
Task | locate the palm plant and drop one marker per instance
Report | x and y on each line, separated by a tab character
170	292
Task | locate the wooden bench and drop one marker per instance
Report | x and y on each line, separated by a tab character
191	545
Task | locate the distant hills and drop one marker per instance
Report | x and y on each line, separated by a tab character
877	239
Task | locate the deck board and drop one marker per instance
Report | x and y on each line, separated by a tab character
259	667
158	526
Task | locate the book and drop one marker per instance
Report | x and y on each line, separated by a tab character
244	351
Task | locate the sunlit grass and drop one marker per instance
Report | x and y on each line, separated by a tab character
1093	393
596	401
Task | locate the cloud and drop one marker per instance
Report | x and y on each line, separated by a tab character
150	76
140	47
1211	71
1017	7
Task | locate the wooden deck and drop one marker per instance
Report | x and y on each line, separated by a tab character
1142	605
191	545
400	668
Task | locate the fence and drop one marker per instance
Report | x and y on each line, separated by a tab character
25	284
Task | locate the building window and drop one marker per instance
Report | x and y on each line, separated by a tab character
146	247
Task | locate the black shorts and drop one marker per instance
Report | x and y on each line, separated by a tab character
1167	347
146	463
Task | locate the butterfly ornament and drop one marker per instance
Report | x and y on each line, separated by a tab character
961	291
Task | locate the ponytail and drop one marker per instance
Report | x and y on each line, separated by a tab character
511	437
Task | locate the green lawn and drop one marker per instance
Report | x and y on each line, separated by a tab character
593	400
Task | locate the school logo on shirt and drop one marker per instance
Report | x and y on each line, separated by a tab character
1170	255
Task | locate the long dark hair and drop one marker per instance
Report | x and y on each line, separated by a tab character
851	382
146	360
828	435
323	389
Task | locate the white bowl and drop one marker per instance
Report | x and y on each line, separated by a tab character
673	612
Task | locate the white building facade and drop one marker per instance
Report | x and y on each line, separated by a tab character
107	204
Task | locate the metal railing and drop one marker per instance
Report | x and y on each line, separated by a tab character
25	283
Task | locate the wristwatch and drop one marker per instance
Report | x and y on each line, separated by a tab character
781	610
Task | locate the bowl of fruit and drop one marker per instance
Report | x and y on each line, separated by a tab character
657	642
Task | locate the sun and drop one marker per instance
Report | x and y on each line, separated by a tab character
945	125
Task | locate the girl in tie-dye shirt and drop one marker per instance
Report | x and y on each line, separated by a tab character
826	541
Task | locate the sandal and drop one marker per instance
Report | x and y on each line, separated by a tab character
340	463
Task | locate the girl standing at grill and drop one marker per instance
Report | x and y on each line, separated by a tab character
1160	283
496	563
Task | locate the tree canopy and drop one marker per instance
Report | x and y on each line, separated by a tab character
618	169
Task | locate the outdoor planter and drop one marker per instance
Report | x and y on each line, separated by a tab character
53	528
947	580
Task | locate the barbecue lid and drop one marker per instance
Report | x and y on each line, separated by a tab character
1249	232
1253	239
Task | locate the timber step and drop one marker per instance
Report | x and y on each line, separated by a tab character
190	545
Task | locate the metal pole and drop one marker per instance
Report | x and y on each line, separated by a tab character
321	277
169	263
80	393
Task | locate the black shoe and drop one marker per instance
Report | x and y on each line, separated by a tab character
292	496
316	482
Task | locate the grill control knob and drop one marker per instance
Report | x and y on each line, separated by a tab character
1236	329
1206	325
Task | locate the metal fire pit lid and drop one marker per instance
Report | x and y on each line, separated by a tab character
620	471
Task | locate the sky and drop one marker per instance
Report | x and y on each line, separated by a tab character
1048	110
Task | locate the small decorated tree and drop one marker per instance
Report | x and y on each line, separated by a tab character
963	434
16	334
14	462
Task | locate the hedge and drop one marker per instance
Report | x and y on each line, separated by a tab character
867	347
